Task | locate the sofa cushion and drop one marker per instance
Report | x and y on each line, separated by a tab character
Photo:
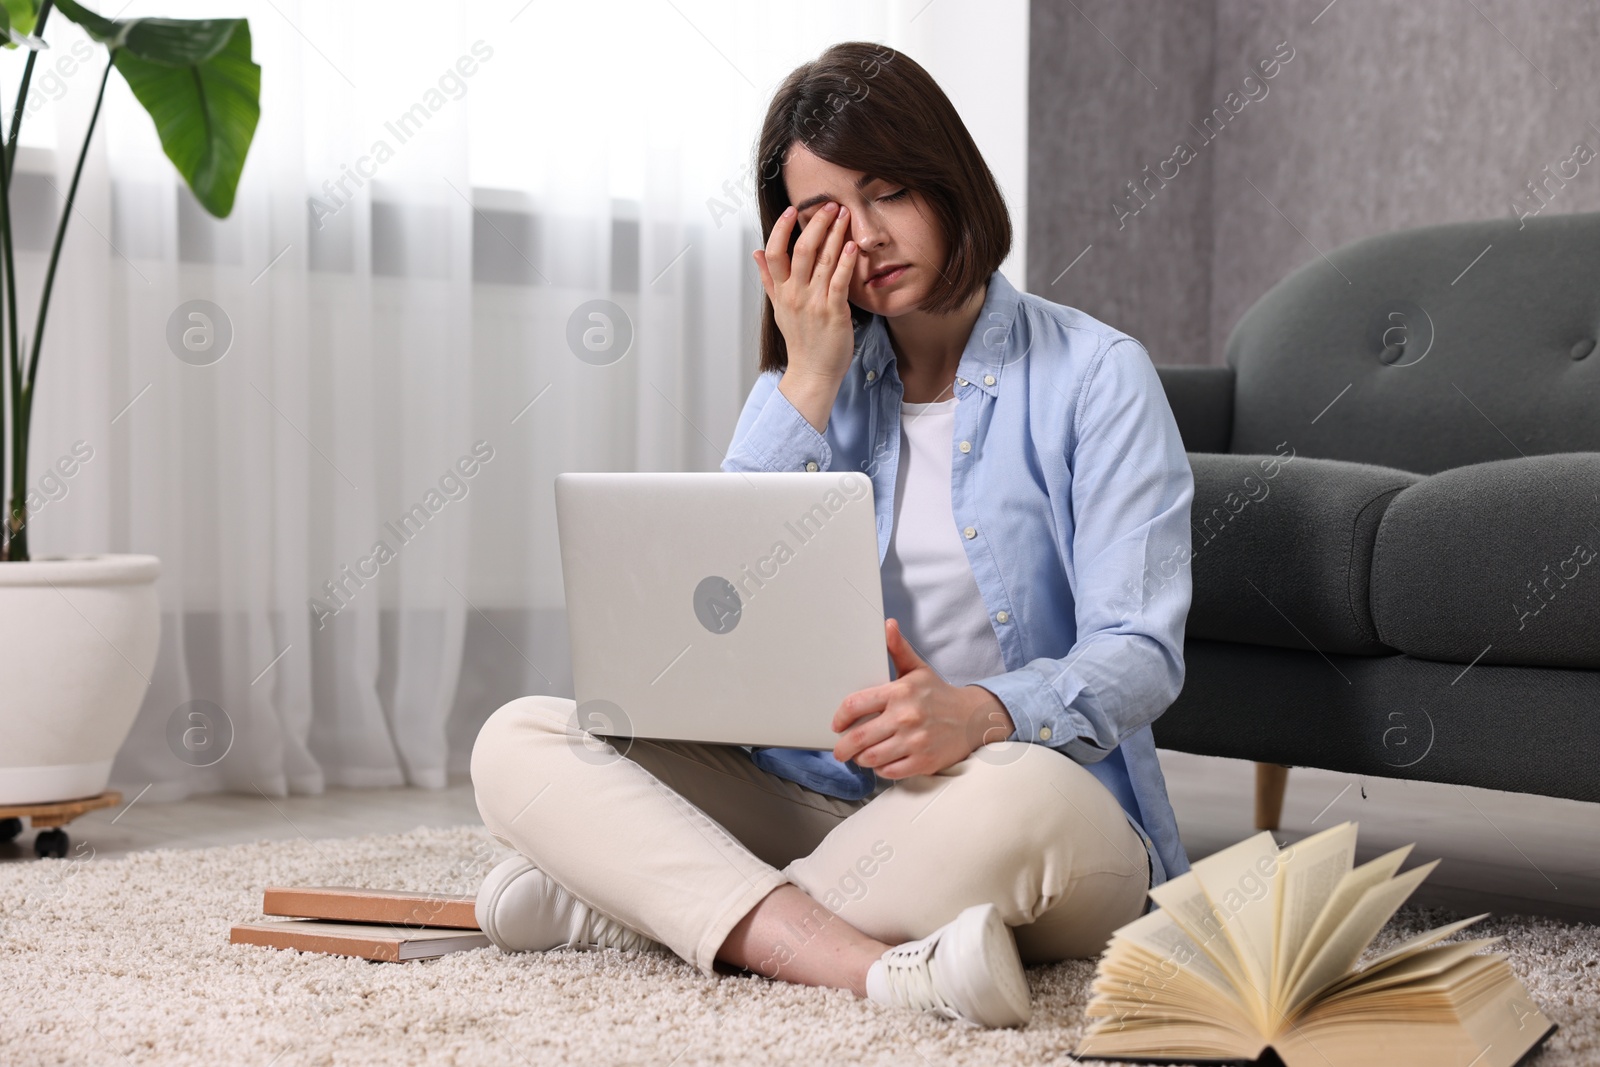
1495	563
1281	547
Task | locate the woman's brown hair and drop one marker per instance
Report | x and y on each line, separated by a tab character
865	107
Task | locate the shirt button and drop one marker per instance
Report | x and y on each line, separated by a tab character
811	464
871	374
1044	733
970	532
966	446
988	379
1002	616
963	381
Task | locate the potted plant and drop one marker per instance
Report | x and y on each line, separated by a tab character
78	635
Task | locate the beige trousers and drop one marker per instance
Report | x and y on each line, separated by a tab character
680	840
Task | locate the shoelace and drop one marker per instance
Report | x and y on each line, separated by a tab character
602	931
908	969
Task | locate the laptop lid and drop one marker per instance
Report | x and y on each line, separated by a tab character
737	608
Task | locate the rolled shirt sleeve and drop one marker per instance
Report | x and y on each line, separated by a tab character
1129	554
772	434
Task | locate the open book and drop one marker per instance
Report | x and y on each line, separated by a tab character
1257	947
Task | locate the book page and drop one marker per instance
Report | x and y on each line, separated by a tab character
1158	934
1184	901
1351	937
1225	905
1351	887
1156	990
1309	874
1507	1022
1136	989
1424	963
1407	948
1474	1012
1183	983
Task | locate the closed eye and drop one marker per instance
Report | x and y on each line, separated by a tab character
806	216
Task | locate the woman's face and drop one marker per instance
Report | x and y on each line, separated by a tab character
892	226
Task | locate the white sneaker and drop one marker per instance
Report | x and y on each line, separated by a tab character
968	969
522	909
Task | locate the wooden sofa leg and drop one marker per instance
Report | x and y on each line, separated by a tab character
1271	780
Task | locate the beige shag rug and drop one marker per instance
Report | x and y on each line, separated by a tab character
127	961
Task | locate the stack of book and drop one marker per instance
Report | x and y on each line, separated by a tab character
374	924
1259	948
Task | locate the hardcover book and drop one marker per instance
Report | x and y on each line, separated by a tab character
371	941
349	904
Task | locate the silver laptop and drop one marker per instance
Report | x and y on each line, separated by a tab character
726	607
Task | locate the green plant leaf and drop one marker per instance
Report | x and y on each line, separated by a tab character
17	19
180	42
205	111
20	14
106	31
170	42
196	79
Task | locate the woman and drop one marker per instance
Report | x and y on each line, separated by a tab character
999	802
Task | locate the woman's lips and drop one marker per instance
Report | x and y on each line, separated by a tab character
890	278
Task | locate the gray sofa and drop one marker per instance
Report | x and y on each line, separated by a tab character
1396	521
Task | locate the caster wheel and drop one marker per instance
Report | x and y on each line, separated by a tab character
9	828
51	843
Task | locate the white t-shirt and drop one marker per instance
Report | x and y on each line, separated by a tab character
927	582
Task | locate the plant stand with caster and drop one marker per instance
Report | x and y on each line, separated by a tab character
52	841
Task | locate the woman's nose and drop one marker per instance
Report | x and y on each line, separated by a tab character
865	229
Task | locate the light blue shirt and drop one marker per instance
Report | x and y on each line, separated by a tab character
1071	491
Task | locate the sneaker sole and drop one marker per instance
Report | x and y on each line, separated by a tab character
1005	1001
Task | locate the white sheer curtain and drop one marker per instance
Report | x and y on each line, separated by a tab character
434	193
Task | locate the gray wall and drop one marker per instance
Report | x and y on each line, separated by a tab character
1389	115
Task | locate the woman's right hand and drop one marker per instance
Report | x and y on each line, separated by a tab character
810	291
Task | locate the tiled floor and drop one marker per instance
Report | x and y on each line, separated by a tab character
1501	852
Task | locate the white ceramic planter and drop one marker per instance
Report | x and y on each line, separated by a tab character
78	640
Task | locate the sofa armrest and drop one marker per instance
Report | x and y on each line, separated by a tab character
1494	562
1201	398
